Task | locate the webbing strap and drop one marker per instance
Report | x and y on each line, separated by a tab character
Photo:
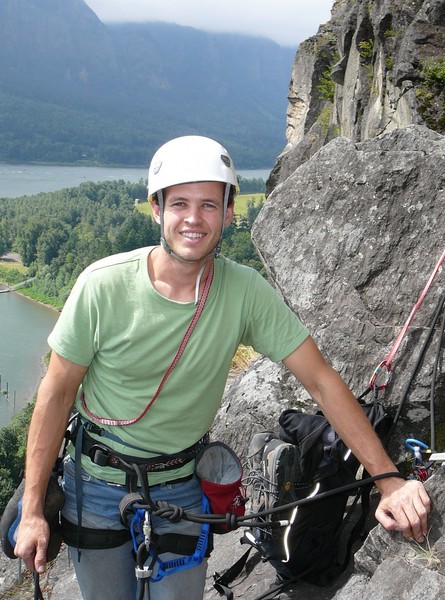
182	345
386	364
37	589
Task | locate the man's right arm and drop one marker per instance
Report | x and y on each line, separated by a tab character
55	400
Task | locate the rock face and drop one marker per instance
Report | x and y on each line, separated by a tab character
388	568
352	230
375	67
350	239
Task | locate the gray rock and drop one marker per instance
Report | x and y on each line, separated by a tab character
350	239
384	47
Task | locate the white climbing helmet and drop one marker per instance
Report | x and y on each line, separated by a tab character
191	159
188	159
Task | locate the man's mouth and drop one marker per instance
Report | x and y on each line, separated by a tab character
192	236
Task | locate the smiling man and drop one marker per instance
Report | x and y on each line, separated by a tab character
142	350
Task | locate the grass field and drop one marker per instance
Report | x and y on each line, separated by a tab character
240	204
11	265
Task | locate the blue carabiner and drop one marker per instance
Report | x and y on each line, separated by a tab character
410	443
415	446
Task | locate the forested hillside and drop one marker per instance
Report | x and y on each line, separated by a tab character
58	234
74	89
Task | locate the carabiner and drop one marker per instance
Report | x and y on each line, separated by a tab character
378	371
415	446
411	444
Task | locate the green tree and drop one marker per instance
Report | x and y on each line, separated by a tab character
253	209
12	453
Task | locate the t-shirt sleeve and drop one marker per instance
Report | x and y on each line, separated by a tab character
74	334
272	328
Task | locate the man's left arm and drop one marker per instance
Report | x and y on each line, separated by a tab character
404	505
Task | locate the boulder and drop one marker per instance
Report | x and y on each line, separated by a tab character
350	240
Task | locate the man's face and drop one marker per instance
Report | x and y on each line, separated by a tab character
193	214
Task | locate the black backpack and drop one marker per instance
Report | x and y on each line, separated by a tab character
307	463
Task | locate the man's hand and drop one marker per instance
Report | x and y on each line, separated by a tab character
32	543
404	507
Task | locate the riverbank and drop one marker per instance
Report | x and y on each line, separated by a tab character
13	272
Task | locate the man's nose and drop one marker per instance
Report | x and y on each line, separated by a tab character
193	215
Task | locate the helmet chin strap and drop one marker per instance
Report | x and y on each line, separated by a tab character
225	207
213	254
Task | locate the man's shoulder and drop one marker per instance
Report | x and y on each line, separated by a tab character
231	267
117	260
239	280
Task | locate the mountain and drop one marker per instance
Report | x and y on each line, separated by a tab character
73	88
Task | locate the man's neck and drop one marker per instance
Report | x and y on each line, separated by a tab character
174	279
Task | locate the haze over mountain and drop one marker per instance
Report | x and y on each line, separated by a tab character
73	88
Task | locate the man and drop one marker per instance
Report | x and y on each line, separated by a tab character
115	356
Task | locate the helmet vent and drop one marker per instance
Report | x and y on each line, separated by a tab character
226	160
157	167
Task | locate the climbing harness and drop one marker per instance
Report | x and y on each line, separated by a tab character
136	469
103	455
136	511
147	545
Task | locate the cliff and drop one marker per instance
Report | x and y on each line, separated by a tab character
374	67
352	230
350	239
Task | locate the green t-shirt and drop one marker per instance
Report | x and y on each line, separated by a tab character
117	324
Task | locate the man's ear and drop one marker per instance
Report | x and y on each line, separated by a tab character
229	215
156	212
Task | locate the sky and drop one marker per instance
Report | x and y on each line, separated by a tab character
287	22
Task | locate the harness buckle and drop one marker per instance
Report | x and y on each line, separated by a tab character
99	455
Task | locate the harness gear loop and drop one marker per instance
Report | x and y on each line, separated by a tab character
182	345
392	352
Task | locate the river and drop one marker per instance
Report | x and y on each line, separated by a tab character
25	180
24	327
24	324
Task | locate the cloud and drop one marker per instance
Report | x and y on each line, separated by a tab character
288	22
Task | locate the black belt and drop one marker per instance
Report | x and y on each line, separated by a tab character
104	456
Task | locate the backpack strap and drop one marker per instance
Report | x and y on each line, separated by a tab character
222	582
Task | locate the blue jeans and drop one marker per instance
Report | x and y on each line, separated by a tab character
110	574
